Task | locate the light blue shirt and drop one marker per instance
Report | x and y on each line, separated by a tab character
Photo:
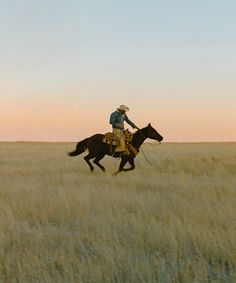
118	118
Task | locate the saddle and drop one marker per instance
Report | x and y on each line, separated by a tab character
110	137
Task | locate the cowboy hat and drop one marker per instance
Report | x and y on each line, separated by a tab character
123	108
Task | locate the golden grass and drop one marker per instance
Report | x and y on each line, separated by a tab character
174	221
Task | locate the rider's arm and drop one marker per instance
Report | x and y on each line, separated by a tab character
130	122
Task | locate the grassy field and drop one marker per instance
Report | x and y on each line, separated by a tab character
174	221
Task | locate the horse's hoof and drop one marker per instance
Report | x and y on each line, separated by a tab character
116	173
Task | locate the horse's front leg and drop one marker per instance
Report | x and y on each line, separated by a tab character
122	164
131	162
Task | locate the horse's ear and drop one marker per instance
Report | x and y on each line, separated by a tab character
149	124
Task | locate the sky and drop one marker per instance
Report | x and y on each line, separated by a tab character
66	65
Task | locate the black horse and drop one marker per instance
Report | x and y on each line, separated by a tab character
98	148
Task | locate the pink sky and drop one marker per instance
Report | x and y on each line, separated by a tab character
53	117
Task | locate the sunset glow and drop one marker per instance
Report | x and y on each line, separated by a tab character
65	68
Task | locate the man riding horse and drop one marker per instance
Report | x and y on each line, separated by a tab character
98	148
117	119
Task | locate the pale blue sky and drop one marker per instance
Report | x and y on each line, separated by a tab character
172	62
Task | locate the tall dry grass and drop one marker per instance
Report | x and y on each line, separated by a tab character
174	221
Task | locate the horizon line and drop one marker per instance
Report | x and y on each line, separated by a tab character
71	141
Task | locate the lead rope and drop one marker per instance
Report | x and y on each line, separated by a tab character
148	161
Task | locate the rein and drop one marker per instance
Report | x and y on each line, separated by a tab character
153	143
148	161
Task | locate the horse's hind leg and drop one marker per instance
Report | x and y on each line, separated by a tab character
97	159
87	158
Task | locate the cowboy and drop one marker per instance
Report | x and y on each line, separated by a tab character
117	119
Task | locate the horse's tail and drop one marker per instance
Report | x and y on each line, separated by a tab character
80	148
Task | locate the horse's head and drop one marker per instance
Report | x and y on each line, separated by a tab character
153	134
